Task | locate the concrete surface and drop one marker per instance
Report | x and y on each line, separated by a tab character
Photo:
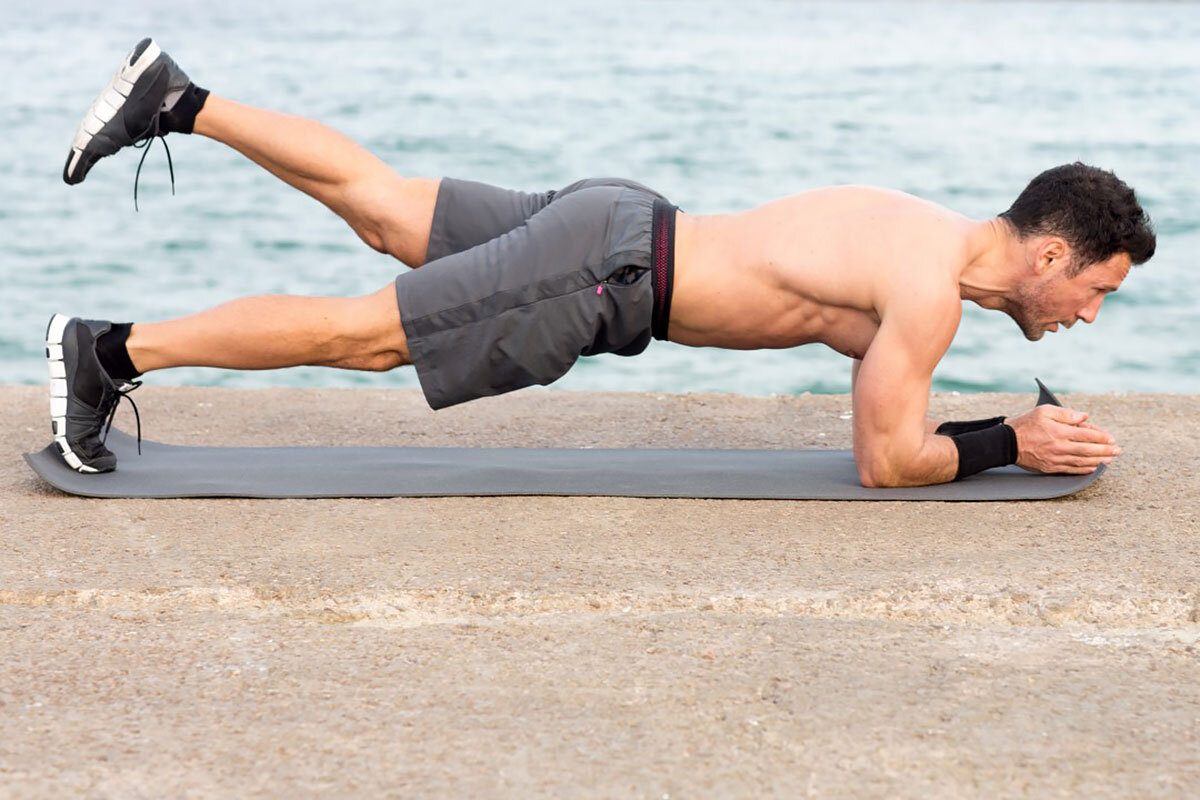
598	647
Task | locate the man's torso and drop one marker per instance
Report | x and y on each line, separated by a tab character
813	267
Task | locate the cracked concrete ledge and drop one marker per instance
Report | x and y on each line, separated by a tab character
582	647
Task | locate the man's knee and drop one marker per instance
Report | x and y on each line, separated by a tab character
363	333
381	362
392	215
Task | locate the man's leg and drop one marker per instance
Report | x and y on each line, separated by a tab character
273	331
93	362
150	94
391	213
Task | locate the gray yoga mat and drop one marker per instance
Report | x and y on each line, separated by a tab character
165	470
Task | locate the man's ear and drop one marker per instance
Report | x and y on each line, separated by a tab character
1051	253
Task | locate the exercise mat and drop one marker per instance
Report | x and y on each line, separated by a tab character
164	470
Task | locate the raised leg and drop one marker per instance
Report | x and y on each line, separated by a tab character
272	331
391	213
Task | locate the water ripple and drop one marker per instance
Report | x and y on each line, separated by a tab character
720	105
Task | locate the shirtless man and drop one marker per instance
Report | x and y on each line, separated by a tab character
517	286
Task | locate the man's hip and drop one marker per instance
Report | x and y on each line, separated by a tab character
564	274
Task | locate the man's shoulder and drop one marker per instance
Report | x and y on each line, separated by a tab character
925	264
884	217
922	295
872	194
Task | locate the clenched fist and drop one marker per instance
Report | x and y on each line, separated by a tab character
1055	439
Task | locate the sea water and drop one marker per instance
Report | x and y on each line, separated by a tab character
719	105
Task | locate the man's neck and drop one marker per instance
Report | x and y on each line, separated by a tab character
995	259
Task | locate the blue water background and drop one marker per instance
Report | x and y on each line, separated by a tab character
719	105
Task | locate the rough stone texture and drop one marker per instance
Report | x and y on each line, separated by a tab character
598	646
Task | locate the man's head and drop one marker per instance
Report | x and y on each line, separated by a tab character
1082	229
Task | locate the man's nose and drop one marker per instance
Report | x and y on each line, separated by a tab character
1088	313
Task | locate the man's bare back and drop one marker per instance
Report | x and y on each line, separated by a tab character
811	268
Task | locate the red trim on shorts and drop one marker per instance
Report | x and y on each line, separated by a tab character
662	264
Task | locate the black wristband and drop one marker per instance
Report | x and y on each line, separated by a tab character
995	446
953	428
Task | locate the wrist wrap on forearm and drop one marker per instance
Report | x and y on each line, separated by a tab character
994	446
953	428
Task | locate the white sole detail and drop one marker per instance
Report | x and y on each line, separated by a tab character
110	100
105	112
58	391
75	156
58	400
147	57
54	333
92	124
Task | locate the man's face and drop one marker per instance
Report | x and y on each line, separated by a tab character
1050	299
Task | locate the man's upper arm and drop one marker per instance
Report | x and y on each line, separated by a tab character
891	387
931	424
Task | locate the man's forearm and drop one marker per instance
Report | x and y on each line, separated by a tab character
936	461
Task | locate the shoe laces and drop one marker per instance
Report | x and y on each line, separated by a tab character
143	142
122	393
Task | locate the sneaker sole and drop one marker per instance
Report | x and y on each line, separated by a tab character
109	102
58	391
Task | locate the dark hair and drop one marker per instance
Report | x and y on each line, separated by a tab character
1092	209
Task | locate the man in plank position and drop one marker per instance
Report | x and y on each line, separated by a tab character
516	286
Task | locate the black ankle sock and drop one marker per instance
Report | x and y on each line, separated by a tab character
114	357
182	116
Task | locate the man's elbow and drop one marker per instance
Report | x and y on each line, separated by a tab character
880	480
877	473
868	479
882	473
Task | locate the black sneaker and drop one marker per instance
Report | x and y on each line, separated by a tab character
83	398
127	111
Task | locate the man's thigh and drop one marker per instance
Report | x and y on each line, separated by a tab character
522	307
469	213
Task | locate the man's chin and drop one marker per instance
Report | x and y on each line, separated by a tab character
1032	334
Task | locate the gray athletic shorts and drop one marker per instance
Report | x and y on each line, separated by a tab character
517	286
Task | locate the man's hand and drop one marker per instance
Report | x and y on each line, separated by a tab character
1054	439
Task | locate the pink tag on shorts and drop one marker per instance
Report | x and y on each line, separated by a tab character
600	289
